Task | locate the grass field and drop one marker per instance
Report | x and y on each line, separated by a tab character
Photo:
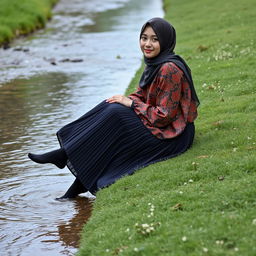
21	17
202	202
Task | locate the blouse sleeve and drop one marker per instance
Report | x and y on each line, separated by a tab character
162	105
138	94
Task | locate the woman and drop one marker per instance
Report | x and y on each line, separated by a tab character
123	134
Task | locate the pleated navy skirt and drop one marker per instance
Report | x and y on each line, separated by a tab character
110	141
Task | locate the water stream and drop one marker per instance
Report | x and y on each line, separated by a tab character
88	52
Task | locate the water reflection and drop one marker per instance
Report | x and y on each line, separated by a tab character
28	108
69	232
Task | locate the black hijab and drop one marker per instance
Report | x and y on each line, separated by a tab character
167	39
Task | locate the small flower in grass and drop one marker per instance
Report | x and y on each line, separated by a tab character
145	228
151	210
205	249
235	149
184	239
145	225
254	222
107	250
236	249
219	242
190	181
136	249
181	192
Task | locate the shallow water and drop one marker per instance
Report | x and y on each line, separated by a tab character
88	52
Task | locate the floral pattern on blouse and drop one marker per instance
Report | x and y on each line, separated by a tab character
165	106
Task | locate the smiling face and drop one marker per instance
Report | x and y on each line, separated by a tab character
149	43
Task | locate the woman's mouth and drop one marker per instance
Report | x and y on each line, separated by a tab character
148	51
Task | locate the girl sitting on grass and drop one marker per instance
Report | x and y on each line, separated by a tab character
123	134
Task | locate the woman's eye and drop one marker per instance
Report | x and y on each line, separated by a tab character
143	38
154	39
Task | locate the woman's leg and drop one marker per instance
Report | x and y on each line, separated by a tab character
57	157
74	190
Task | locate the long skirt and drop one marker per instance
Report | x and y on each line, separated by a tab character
110	141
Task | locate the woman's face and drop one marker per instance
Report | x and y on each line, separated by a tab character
149	43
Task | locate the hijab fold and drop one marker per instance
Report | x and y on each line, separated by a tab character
166	35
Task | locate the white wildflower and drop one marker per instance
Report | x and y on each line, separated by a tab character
145	225
205	249
221	242
148	230
184	238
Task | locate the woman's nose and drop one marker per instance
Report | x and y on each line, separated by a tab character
148	43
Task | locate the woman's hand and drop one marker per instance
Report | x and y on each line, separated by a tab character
120	99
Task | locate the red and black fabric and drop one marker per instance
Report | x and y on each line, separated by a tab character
165	106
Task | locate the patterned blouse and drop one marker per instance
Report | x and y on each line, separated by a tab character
165	106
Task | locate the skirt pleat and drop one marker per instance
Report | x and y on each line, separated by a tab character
110	142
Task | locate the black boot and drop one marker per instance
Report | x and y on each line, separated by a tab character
74	190
57	157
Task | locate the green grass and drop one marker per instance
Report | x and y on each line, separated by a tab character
204	200
21	17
